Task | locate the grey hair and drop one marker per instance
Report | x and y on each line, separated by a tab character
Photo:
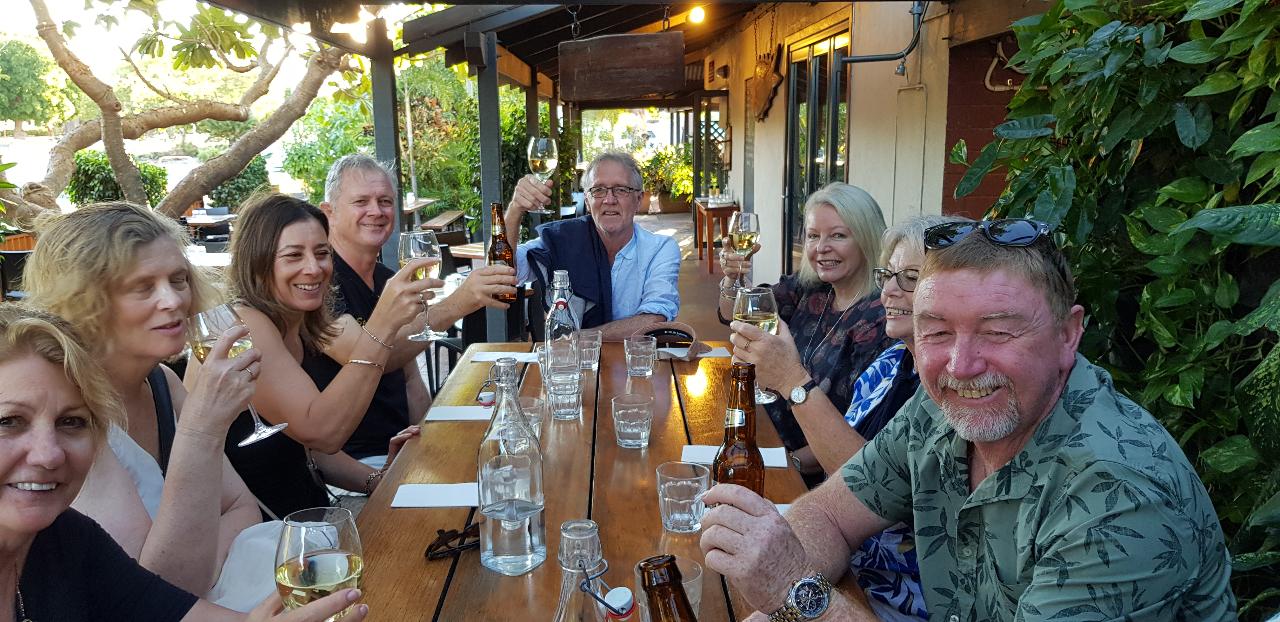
352	162
911	233
617	157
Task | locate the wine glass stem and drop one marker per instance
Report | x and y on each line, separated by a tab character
257	421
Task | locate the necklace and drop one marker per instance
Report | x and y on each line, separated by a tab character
22	609
809	347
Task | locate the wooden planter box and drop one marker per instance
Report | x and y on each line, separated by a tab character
18	242
670	204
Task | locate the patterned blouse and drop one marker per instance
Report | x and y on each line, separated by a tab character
834	345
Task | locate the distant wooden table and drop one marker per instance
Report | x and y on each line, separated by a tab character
474	250
414	208
209	221
444	221
705	216
585	475
200	257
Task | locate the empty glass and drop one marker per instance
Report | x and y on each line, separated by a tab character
562	374
632	420
642	351
535	412
680	488
589	348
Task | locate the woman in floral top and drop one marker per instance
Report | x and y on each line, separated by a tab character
832	321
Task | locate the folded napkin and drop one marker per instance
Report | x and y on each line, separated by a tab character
783	507
459	413
520	357
706	454
683	353
437	496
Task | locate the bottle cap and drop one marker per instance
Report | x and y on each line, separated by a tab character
620	598
580	544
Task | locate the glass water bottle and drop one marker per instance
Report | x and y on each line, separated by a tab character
513	535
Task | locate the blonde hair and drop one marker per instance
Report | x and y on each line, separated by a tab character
26	331
81	258
861	214
911	233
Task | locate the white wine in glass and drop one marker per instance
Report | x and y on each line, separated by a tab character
543	158
319	553
757	307
203	330
744	231
416	245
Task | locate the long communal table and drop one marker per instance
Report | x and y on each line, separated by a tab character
586	475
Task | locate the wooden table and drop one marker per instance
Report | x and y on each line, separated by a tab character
585	475
474	250
705	216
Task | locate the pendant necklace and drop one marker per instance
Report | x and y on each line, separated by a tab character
22	609
809	354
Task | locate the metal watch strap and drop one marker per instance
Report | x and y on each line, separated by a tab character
788	613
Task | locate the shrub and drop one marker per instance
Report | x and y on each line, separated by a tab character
234	191
93	180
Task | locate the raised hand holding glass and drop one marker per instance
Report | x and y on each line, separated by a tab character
203	330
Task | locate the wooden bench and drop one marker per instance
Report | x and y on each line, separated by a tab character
444	221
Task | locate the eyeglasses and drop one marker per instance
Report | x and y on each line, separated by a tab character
1004	232
442	547
619	192
905	277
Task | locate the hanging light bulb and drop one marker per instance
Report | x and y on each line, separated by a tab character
697	14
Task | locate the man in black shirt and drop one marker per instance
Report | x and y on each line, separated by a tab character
360	200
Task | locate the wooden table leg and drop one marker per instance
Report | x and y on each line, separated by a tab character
697	229
710	222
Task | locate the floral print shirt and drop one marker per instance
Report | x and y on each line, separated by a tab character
834	345
1099	517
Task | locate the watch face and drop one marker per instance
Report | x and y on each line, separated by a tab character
798	394
810	598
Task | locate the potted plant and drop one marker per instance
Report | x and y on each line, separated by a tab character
668	175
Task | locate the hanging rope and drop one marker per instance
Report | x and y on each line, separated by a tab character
575	29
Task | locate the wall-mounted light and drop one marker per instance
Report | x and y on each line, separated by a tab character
697	14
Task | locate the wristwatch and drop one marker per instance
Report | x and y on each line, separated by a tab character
801	393
808	600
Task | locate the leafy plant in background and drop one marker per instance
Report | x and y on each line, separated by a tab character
234	191
669	170
93	180
329	130
1147	134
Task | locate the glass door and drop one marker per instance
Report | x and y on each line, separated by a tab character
817	127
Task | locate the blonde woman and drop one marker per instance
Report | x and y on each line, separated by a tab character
832	320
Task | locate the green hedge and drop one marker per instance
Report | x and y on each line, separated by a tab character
234	191
94	181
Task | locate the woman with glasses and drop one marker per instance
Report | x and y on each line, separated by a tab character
832	321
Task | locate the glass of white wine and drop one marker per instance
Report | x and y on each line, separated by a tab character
415	245
543	158
319	553
757	307
744	231
203	330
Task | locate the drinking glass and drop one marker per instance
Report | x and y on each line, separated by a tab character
562	373
535	412
589	348
415	245
744	231
756	306
641	352
680	488
203	330
543	158
319	553
690	579
632	420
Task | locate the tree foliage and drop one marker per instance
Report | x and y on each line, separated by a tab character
1147	135
234	191
94	182
25	89
329	130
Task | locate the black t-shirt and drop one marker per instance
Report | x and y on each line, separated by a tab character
388	411
75	571
274	469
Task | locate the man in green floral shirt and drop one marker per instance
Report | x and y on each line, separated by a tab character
1036	490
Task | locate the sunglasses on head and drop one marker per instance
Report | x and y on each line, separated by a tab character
1003	232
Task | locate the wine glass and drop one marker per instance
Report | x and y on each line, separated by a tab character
319	553
756	306
414	245
543	158
203	330
744	230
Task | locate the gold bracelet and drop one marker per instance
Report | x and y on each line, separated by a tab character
379	341
368	480
364	362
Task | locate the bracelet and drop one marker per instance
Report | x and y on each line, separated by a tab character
364	362
373	337
368	480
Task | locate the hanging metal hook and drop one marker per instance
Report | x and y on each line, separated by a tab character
575	29
666	17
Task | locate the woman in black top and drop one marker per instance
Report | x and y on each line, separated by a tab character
280	273
56	564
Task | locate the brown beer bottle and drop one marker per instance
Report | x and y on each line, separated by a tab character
739	460
501	252
664	590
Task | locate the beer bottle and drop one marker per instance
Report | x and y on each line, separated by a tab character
501	252
739	460
664	590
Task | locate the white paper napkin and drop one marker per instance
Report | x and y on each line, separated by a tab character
679	353
437	496
706	454
716	353
459	413
520	357
783	507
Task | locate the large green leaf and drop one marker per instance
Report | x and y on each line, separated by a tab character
981	166
1220	82
1267	314
1209	9
1245	562
1265	137
1262	165
1231	454
1195	52
1187	190
1267	514
1243	224
1034	126
1194	126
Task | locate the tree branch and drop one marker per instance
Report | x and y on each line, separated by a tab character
218	169
103	95
266	75
138	72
